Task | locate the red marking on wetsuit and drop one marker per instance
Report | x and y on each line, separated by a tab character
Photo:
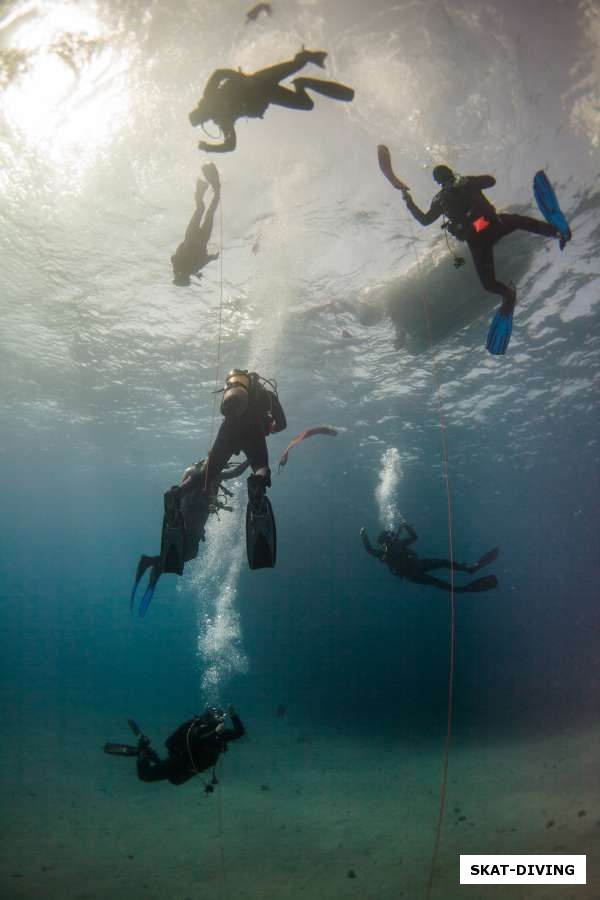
481	224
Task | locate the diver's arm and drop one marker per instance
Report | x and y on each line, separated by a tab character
481	181
238	730
228	144
367	544
424	218
412	534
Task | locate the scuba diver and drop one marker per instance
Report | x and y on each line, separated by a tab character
404	563
192	254
251	411
229	95
183	526
194	747
472	218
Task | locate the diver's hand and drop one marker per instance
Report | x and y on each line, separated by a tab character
363	531
202	145
231	711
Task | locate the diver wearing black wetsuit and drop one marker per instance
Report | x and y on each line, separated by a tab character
230	95
404	563
472	218
192	254
251	412
193	748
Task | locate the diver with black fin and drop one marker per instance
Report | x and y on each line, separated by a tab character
231	95
470	217
194	747
251	411
403	562
187	507
192	254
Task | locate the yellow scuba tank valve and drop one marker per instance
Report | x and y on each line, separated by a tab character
236	393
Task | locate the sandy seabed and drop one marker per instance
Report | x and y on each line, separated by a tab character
294	815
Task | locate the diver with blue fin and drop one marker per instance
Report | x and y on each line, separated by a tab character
549	208
187	507
230	95
194	747
470	217
403	562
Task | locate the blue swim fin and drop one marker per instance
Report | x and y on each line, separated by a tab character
499	334
145	563
548	206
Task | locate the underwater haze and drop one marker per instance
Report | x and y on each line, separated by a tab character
340	672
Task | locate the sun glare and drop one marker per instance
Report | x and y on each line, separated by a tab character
70	98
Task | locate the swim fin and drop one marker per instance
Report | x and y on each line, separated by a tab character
548	206
144	564
121	749
261	534
486	583
172	543
487	558
499	334
332	89
135	728
385	164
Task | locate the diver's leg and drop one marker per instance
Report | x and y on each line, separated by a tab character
430	581
194	225
201	189
150	769
510	223
482	252
332	89
282	96
205	231
254	445
428	564
267	78
225	445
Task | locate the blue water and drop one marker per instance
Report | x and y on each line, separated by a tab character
324	283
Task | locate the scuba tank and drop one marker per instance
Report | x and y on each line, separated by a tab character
243	388
236	392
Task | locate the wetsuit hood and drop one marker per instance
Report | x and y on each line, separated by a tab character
443	175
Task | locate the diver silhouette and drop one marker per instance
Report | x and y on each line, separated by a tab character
473	219
192	254
404	563
230	95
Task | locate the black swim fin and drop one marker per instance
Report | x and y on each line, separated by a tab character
261	533
486	583
172	544
135	728
121	749
332	89
487	558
